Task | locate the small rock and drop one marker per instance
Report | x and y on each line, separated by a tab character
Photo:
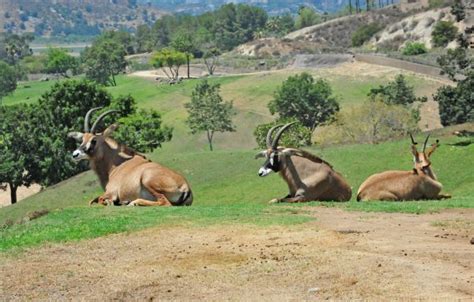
472	240
313	290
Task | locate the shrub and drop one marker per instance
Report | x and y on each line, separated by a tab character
397	92
364	33
414	48
443	33
372	122
296	136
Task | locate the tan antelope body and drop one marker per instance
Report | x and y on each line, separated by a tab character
309	178
420	183
127	177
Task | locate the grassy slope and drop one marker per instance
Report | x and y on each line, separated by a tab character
228	190
225	183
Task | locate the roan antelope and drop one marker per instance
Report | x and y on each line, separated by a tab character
127	177
309	178
419	183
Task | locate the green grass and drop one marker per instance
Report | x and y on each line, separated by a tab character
27	93
227	190
226	187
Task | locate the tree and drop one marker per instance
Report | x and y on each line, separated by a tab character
169	60
184	42
443	33
211	58
397	92
17	47
301	97
15	148
104	60
296	136
414	48
7	79
458	10
60	62
208	112
456	104
307	17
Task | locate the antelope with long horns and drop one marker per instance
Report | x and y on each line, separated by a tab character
127	177
309	178
419	183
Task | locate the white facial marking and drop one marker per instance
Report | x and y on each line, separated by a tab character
264	172
78	155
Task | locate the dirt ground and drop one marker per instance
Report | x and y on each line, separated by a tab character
339	256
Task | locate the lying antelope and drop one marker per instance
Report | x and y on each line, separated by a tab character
308	176
420	183
127	177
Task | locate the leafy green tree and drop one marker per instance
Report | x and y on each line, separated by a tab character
143	131
60	62
208	112
103	61
456	104
211	59
143	39
364	33
7	79
121	37
443	33
397	92
307	17
17	47
296	136
301	97
15	148
458	10
280	25
169	60
184	42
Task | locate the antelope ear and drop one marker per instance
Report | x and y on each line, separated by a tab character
110	130
76	135
261	154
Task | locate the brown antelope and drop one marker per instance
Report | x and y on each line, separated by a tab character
127	177
309	178
420	183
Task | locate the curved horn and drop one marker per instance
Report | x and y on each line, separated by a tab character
426	141
413	140
100	118
279	133
88	117
269	135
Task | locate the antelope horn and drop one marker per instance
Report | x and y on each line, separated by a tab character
426	141
269	135
279	133
88	117
413	140
100	118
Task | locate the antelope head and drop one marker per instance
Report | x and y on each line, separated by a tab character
92	144
273	154
421	160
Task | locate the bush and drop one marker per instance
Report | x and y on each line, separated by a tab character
372	122
397	92
443	33
414	48
296	136
364	33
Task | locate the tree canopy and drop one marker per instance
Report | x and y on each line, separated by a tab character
8	79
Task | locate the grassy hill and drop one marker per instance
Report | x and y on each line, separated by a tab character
225	182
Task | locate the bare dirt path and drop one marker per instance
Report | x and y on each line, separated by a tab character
341	255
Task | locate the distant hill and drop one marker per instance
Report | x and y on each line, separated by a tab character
80	17
273	7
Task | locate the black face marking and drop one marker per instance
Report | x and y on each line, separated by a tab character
273	162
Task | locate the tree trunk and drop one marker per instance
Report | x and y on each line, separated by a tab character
187	62
350	7
210	134
13	189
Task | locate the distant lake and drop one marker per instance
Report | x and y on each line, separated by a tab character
74	48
